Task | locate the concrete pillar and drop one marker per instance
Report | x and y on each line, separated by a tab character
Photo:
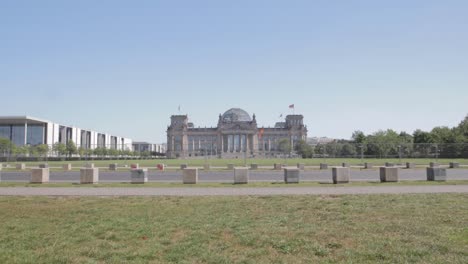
389	174
410	165
139	175
291	175
113	166
301	166
40	175
368	165
241	175
436	174
323	166
67	167
190	175
454	165
340	175
89	175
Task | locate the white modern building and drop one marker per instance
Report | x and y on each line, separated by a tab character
26	130
146	146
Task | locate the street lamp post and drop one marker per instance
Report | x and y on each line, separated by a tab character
399	153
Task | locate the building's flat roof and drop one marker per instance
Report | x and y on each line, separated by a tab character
21	119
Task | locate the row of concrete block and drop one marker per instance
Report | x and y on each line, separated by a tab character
87	175
241	175
339	174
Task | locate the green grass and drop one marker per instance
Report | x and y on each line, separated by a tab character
423	228
218	185
240	162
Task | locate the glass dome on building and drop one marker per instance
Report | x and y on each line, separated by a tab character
236	115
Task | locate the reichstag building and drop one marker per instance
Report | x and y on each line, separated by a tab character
237	135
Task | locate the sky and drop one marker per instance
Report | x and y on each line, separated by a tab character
124	67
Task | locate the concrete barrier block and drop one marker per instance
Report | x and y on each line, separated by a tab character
67	167
436	174
43	166
323	166
230	166
89	165
254	166
40	175
410	165
183	166
20	166
389	174
190	175
135	166
301	166
434	164
139	175
368	165
345	164
277	166
206	167
389	164
89	175
340	175
241	175
454	165
113	166
291	175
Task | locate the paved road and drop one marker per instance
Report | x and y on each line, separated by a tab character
227	176
199	191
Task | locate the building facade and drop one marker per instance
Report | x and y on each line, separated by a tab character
139	146
236	135
25	130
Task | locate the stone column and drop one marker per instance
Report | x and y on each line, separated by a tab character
40	175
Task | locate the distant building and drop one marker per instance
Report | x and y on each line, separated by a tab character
319	140
148	147
25	130
236	135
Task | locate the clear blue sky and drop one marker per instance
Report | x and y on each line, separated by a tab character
124	67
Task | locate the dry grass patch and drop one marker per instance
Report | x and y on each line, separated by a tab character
278	229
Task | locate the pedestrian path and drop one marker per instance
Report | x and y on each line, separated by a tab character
226	191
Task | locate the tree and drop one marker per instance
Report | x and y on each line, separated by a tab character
348	150
60	149
6	147
358	137
284	146
304	149
71	148
113	152
42	150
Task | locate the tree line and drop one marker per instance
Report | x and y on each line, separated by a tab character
9	149
442	141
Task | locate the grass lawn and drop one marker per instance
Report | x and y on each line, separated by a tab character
424	228
240	162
